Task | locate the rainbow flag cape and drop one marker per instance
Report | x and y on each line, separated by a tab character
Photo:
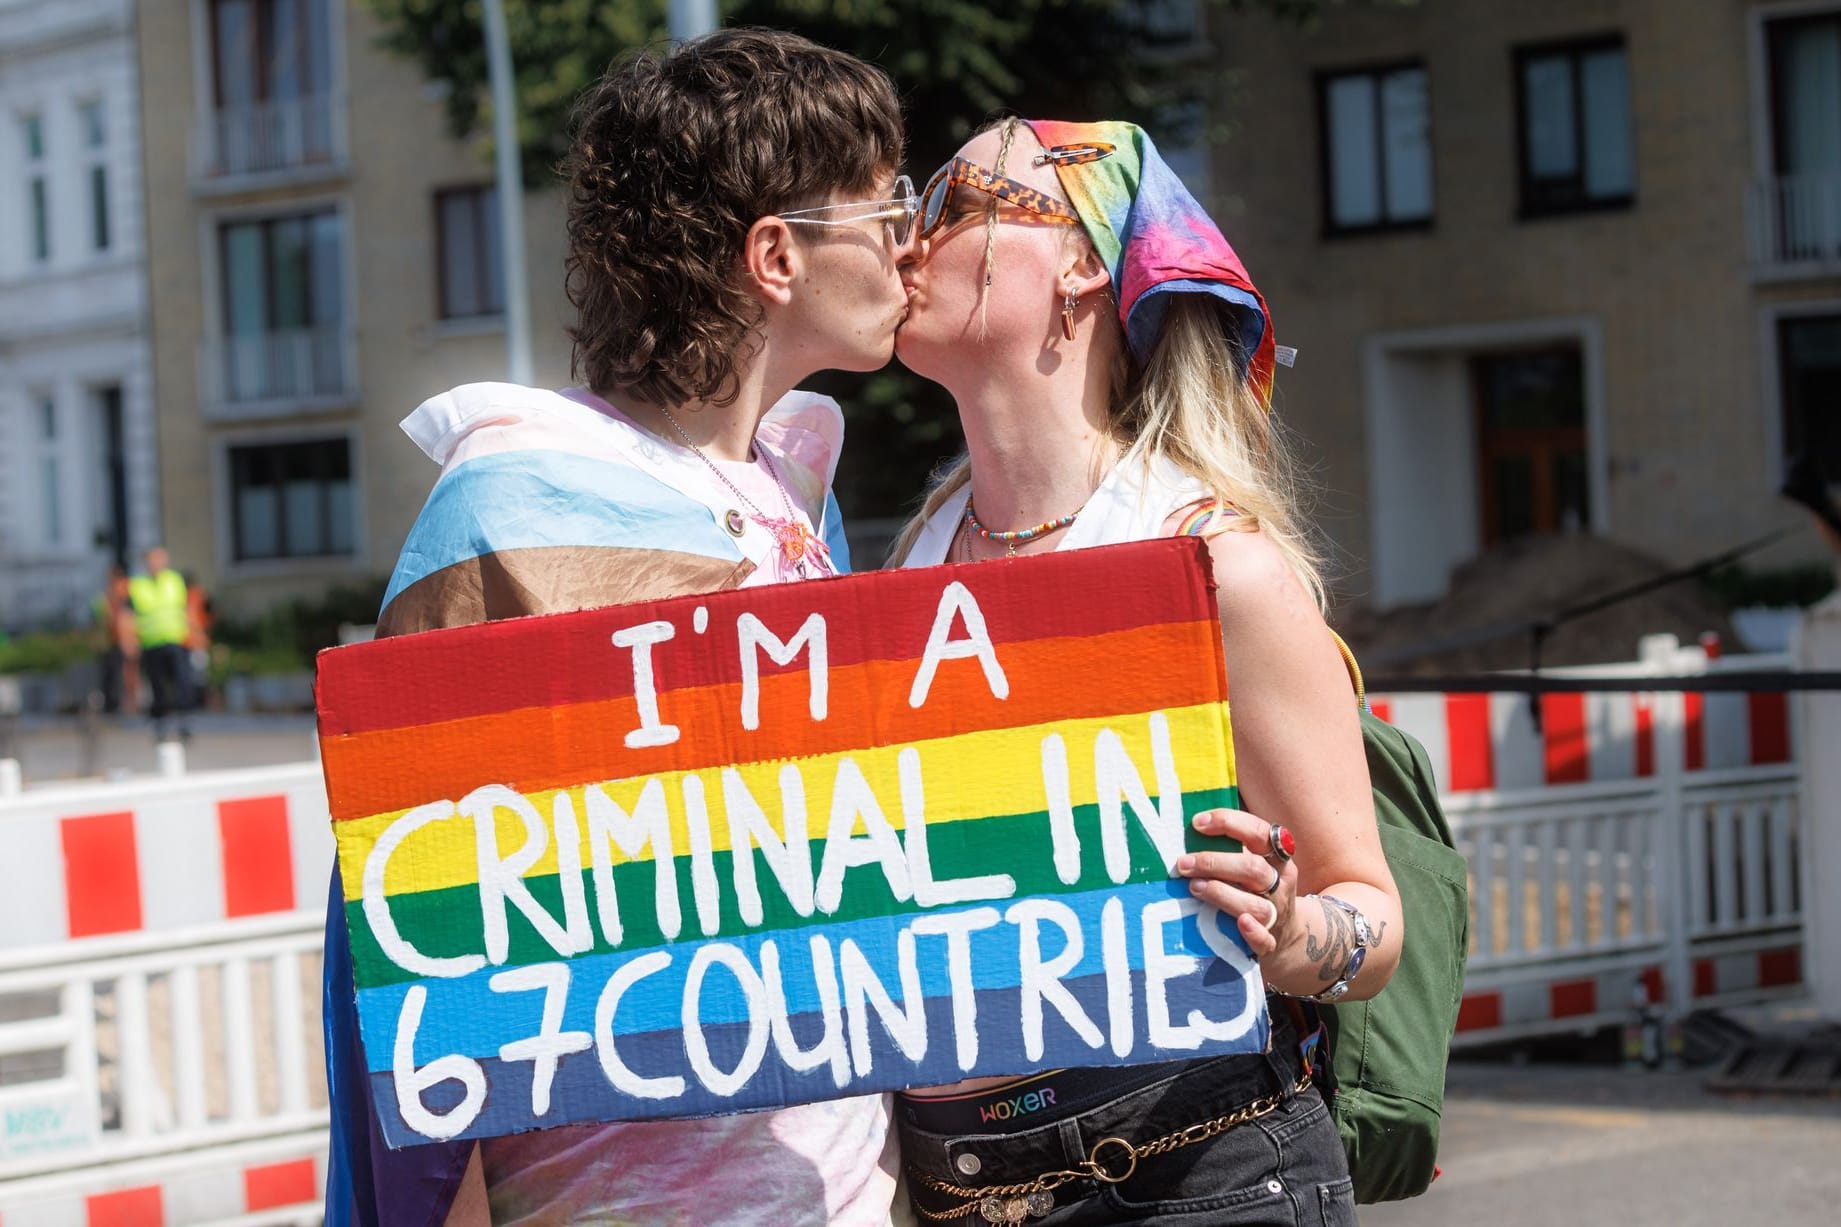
784	844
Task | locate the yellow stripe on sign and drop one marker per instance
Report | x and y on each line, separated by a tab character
955	773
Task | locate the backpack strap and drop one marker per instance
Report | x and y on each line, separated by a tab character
1355	671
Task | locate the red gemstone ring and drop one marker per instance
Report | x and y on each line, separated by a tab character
1283	846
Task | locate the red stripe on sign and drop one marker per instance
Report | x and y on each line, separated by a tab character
1706	978
1563	738
102	879
1467	736
1779	967
573	661
1571	998
1479	1012
258	860
1694	732
1770	726
1383	710
279	1184
1652	982
140	1207
1645	708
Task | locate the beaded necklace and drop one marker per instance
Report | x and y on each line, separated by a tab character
1014	536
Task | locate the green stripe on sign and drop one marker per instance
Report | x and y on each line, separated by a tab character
446	923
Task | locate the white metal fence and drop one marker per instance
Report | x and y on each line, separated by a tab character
177	1057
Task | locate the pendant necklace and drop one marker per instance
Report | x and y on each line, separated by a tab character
798	545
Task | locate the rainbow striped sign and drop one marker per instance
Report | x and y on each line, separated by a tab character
786	844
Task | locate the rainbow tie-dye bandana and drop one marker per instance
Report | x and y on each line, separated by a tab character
1156	239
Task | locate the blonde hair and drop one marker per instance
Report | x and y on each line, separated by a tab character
1192	404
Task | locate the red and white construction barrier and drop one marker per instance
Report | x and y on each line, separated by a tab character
162	854
280	1181
1479	742
1557	1002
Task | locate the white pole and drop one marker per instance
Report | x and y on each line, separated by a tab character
689	18
511	195
1818	732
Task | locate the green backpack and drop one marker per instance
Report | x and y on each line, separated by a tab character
1388	1054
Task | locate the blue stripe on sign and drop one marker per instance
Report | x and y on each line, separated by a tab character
530	498
464	1015
580	1091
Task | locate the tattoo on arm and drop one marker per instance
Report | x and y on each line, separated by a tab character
1331	954
1379	931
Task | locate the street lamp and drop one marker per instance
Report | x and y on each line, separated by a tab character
689	18
511	195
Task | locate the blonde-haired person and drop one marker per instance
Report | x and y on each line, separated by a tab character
1112	363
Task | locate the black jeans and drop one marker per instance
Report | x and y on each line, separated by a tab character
168	670
1286	1167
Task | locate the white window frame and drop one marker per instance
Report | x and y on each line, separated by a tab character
35	169
1771	376
210	251
95	157
223	498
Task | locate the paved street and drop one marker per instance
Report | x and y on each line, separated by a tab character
1553	1144
56	751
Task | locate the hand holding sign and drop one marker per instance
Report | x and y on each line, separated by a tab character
786	844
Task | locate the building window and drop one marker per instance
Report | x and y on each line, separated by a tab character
1809	366
1574	104
271	83
51	477
38	203
93	124
1530	408
1377	149
291	500
284	306
472	281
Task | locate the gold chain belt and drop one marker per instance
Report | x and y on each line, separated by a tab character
1012	1203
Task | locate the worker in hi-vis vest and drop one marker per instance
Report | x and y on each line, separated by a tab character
163	621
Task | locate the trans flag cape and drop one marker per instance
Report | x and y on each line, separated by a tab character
1156	239
548	502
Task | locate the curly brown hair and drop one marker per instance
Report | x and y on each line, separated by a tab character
673	158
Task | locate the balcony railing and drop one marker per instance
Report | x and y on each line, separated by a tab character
270	137
278	371
1795	224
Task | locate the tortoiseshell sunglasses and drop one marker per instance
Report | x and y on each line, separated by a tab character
960	172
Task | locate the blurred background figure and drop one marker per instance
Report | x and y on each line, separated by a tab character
118	665
163	622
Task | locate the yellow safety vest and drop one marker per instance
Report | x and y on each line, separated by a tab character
159	608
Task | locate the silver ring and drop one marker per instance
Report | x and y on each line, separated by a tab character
1278	876
1275	843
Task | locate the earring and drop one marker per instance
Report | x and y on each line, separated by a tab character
1067	315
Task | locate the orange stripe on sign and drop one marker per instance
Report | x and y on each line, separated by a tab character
1382	709
258	859
1467	736
102	877
140	1207
1571	998
395	769
1780	967
1769	722
279	1184
1479	1012
1563	738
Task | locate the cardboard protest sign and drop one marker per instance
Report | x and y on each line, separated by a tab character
786	844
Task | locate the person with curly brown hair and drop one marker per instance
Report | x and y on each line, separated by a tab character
736	224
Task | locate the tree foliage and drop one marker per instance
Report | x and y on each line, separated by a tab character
956	62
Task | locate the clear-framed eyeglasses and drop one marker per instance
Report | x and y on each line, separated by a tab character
898	212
